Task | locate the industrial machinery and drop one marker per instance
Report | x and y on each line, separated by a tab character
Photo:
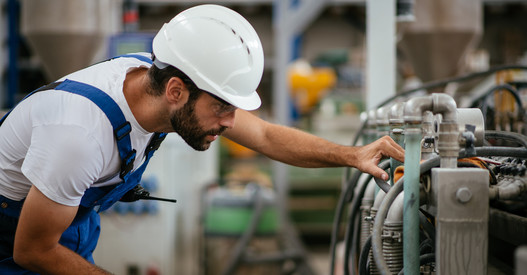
457	205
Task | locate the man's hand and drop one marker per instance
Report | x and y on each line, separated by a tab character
369	156
41	224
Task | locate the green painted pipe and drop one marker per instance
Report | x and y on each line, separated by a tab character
412	158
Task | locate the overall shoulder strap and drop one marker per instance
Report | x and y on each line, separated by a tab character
121	127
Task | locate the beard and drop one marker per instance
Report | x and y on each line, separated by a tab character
186	124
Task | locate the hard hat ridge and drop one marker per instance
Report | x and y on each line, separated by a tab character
218	49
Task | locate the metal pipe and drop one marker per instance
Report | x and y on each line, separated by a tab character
383	122
395	213
396	121
393	235
411	199
448	146
509	191
415	107
429	134
370	134
445	105
373	212
367	202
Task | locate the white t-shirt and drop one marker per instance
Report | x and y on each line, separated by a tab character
63	143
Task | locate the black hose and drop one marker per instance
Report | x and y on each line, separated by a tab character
436	84
352	231
427	226
363	258
508	136
385	186
507	87
490	151
344	198
355	243
348	236
439	83
427	258
428	243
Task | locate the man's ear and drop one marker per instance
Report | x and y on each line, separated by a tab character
176	91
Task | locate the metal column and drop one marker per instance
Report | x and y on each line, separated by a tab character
380	58
289	19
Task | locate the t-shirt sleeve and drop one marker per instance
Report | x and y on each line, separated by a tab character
62	162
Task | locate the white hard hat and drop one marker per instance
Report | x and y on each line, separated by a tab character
217	49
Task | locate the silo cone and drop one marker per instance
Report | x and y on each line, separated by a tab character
442	33
66	34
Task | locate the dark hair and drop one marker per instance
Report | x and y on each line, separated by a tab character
159	78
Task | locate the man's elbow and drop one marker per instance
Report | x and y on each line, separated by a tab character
26	258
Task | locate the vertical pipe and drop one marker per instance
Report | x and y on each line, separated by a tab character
412	157
381	54
396	133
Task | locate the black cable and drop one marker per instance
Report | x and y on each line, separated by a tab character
355	243
354	209
491	91
515	152
428	243
436	84
385	186
427	226
427	258
509	136
363	258
344	198
439	83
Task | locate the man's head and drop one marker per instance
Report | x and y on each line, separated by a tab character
217	49
202	117
218	56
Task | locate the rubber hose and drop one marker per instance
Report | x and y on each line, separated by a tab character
510	136
492	90
363	258
436	84
344	198
355	206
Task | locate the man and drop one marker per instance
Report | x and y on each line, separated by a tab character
84	141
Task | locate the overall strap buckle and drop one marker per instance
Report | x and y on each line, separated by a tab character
127	164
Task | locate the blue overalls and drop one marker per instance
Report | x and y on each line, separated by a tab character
83	233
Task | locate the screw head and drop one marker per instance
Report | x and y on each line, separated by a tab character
463	195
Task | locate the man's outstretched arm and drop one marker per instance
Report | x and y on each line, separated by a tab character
41	224
298	148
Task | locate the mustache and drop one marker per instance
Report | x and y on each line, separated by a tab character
217	132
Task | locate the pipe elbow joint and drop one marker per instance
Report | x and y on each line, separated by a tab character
396	114
446	106
414	108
